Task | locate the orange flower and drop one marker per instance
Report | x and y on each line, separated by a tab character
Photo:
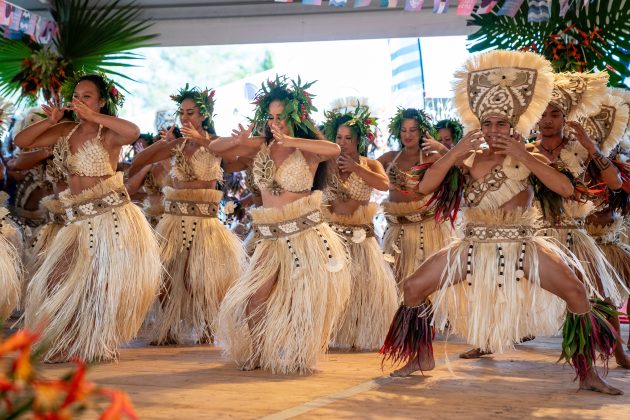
22	367
18	341
120	405
78	388
49	396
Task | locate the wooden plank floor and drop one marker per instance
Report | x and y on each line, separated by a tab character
194	382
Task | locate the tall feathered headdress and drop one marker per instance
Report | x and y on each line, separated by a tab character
607	125
5	112
578	94
624	94
511	84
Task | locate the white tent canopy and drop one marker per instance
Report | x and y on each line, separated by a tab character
216	22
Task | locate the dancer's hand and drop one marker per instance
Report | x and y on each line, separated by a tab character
242	134
281	138
53	112
513	146
431	145
167	135
469	143
83	111
582	136
191	132
347	164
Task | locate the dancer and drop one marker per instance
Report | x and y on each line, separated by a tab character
202	258
606	127
100	275
280	314
10	260
490	286
449	132
348	210
412	234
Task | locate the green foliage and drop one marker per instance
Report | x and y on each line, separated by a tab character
589	37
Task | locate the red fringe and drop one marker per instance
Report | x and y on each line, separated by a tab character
410	335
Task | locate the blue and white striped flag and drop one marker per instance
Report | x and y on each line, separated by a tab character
407	75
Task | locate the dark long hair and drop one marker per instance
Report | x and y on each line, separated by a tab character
101	85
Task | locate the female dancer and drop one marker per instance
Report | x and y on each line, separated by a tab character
202	258
351	180
449	132
412	234
493	290
99	277
280	314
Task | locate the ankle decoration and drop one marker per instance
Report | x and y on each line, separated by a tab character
410	335
585	335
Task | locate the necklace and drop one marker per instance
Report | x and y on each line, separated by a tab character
554	149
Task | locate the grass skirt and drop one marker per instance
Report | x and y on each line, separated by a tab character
490	316
98	279
36	253
374	295
202	259
10	265
153	213
297	321
599	272
608	238
412	243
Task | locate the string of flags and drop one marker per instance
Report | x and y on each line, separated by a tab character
16	22
538	10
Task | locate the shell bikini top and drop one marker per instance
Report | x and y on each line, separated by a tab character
354	188
203	165
398	178
497	187
91	159
293	175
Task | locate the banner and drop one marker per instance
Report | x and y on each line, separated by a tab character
312	2
413	5
486	6
538	11
362	3
389	3
465	7
510	8
337	3
17	22
440	6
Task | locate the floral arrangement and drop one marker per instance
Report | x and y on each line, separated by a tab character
24	393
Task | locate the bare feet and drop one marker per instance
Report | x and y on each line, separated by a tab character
527	338
474	354
168	341
427	362
58	358
594	382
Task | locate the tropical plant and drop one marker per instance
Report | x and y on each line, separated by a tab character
92	36
591	36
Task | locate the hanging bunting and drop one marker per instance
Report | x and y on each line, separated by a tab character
389	3
413	5
312	2
440	6
486	6
18	22
510	8
362	3
538	11
465	7
338	3
564	7
284	1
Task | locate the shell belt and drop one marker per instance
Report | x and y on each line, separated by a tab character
496	233
191	208
96	206
288	227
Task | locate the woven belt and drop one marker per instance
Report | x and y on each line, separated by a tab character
288	227
498	233
566	224
409	218
349	230
609	238
97	206
191	208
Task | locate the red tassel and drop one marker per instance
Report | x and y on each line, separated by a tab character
410	335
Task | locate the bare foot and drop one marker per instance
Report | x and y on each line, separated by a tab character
527	338
594	382
426	363
474	354
621	357
168	341
58	358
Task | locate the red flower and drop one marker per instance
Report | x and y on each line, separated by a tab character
114	91
370	137
212	92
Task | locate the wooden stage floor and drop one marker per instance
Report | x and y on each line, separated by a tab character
194	382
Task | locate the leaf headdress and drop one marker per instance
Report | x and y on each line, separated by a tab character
352	113
204	100
298	105
113	98
421	117
454	125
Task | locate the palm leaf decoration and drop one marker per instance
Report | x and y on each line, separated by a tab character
93	36
589	37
